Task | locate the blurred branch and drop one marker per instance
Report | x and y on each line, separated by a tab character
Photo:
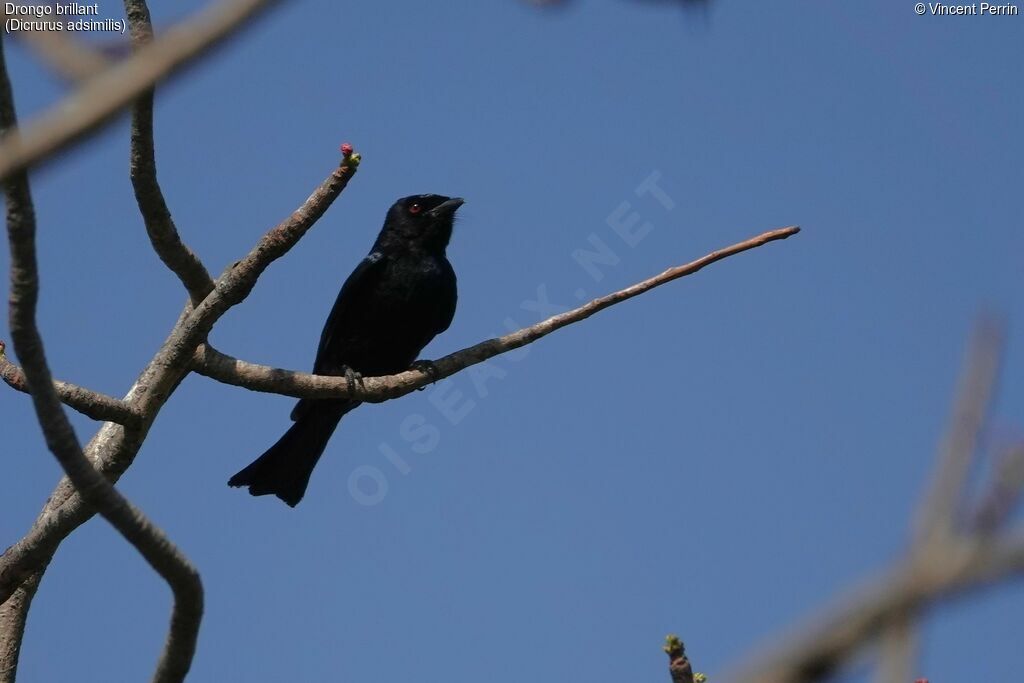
837	633
1004	491
960	445
155	214
89	403
99	99
69	57
937	517
61	440
223	368
945	559
897	656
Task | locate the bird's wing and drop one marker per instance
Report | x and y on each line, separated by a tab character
361	278
449	298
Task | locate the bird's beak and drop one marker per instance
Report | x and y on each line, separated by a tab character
448	208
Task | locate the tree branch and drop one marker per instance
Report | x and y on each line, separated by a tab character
679	668
151	543
833	636
114	447
13	614
96	102
944	560
1003	493
223	368
937	518
148	195
898	651
71	58
89	403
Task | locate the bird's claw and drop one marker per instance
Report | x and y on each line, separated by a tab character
428	367
352	378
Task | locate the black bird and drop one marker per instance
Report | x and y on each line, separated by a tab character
397	299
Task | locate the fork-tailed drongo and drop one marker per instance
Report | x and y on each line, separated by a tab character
396	300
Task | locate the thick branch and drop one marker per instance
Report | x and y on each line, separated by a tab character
223	368
13	615
151	543
96	102
89	403
159	225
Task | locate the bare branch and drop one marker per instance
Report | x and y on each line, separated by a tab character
89	403
1004	492
106	94
114	447
898	651
679	667
936	521
61	440
974	396
223	368
940	563
235	284
834	635
69	57
157	217
13	614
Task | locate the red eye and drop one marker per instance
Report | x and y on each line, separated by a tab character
415	208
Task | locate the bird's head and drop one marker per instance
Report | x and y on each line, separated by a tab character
424	220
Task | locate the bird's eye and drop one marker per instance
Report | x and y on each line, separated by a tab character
415	208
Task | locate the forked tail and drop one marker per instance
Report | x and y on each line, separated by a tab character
285	468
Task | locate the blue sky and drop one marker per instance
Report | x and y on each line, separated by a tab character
715	458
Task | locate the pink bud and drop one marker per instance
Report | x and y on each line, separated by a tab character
346	148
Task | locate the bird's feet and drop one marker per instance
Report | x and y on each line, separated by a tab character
428	367
352	378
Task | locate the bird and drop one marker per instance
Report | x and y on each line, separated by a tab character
394	303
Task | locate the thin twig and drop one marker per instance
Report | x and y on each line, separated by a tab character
223	368
159	225
96	102
679	668
86	401
61	440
